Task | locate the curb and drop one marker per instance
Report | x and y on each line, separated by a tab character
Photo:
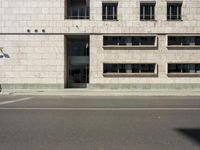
100	93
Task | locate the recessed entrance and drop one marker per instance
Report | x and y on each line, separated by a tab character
77	61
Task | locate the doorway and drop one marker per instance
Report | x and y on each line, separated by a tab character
77	61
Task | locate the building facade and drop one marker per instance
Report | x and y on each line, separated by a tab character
100	44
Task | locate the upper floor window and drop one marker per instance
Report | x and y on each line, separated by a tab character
183	40
174	11
109	11
77	9
147	11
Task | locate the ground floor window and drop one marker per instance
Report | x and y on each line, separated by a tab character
129	68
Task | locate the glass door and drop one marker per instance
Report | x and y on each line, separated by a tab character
78	62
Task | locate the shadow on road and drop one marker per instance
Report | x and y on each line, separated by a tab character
192	133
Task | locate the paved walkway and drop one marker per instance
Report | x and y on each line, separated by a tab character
105	92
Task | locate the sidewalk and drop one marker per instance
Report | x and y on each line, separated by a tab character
97	92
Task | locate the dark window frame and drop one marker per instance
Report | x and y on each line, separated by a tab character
110	11
82	12
129	41
183	68
183	41
147	11
174	11
130	68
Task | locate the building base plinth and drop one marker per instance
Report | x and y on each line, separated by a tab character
178	86
31	86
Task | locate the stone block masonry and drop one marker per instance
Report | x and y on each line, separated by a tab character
32	35
33	59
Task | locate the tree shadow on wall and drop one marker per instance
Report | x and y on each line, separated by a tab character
4	55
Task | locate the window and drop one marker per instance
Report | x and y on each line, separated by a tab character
148	40
127	69
77	9
183	40
122	68
136	68
147	11
109	11
110	68
174	11
183	68
129	41
147	68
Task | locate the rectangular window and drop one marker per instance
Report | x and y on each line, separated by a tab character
184	68
129	69
136	68
183	40
174	11
147	11
122	68
77	9
129	41
110	68
147	68
109	11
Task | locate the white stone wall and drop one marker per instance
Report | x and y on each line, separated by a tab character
39	59
19	15
161	56
33	59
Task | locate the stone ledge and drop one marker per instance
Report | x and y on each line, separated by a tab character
130	75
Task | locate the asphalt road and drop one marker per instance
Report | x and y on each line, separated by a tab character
99	123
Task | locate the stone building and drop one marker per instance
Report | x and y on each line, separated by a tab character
100	44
